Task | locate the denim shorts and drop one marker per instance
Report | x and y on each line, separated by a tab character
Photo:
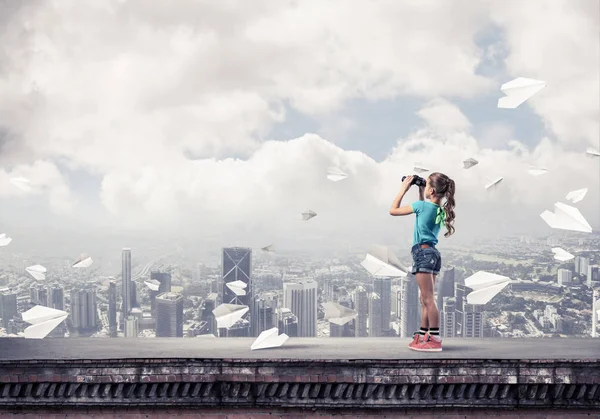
426	260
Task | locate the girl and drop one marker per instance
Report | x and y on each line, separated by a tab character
427	261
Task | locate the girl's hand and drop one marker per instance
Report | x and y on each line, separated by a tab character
407	183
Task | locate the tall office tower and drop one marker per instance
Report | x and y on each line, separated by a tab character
169	315
126	280
473	321
56	297
581	265
361	304
211	302
396	301
264	312
287	322
131	327
383	287
84	309
133	294
236	263
112	309
33	293
593	275
42	295
301	299
448	318
564	276
8	307
375	314
410	310
214	286
460	292
445	287
595	311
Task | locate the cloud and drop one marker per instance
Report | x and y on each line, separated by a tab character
128	91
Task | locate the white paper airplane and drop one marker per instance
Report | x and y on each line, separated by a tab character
268	248
4	241
592	152
43	320
269	339
470	162
84	261
228	314
494	183
338	314
566	217
537	171
238	287
576	196
420	169
485	286
37	272
334	174
308	215
561	254
21	183
518	91
153	284
380	261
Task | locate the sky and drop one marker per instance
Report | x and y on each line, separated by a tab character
218	120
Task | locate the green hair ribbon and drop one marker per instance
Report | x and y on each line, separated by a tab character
440	216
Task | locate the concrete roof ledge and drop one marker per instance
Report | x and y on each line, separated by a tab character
187	373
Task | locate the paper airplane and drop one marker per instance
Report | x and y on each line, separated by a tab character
84	261
228	314
592	152
4	241
518	91
238	287
268	248
153	284
576	196
338	314
537	171
561	254
467	164
494	183
566	217
43	320
335	175
308	215
420	169
269	339
380	261
21	183
485	286
37	272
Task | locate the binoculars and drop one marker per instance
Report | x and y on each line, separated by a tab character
417	180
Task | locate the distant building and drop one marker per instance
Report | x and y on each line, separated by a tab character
448	318
131	327
211	302
595	311
593	275
264	317
301	299
126	280
446	286
8	307
564	276
56	297
236	263
84	309
410	308
169	315
581	265
383	287
112	309
472	322
361	305
287	322
375	315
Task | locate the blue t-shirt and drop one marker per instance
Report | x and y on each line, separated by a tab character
426	229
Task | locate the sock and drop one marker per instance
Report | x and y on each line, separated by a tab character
423	331
434	331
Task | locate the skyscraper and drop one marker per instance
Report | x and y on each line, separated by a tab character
361	304
448	318
460	292
112	308
593	275
211	302
564	276
301	299
131	327
126	280
581	265
8	307
472	321
264	315
445	287
383	287
375	315
56	297
164	278
237	266
410	308
83	309
169	315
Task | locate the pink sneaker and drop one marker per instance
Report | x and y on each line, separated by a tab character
417	339
429	344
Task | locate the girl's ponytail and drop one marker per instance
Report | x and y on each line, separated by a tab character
449	208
